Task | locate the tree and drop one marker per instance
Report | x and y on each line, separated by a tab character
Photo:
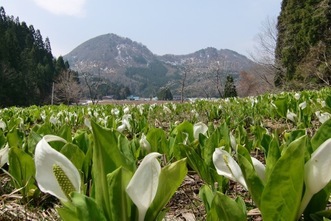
26	64
304	43
165	94
264	54
230	87
66	88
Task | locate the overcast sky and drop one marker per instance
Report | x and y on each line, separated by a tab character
164	26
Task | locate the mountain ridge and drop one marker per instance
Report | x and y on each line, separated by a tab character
130	63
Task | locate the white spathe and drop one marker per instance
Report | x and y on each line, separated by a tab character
226	166
45	159
144	144
144	183
317	173
199	128
4	155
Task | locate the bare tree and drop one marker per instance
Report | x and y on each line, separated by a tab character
264	54
66	88
184	72
93	84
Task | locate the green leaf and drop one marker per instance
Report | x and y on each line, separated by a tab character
106	159
15	138
281	104
212	142
253	181
74	154
272	156
67	214
196	163
87	208
206	195
65	133
22	168
224	208
158	141
171	177
321	135
183	134
121	206
282	193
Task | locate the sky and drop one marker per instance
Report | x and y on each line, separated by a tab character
163	26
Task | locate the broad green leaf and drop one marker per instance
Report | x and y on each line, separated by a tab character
82	141
74	154
15	138
2	139
171	177
65	133
183	135
272	156
253	181
322	134
206	195
157	139
281	104
67	214
328	101
294	135
121	206
196	163
211	143
86	207
106	159
224	208
126	150
33	139
282	193
22	168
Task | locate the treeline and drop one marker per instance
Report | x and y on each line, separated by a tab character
27	66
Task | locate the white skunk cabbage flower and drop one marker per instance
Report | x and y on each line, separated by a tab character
199	128
322	117
87	123
55	173
291	116
145	145
297	96
303	105
317	173
115	111
2	125
166	109
226	166
4	155
125	123
259	168
144	183
126	110
233	142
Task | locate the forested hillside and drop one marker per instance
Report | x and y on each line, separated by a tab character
303	47
27	66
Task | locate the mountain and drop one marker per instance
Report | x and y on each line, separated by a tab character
126	62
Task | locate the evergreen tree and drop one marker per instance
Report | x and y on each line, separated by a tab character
304	41
165	94
230	87
27	66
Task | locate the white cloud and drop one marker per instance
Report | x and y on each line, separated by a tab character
63	7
